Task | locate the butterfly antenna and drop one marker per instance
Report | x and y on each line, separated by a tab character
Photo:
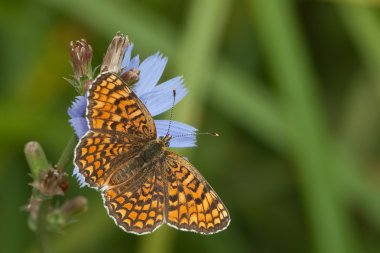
171	112
196	134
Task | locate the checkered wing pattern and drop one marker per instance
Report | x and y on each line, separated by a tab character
99	156
120	125
191	203
138	207
114	108
143	185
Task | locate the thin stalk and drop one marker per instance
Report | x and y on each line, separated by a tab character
67	155
41	230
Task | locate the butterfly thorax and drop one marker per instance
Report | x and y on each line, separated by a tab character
154	148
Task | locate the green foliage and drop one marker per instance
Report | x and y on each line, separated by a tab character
292	87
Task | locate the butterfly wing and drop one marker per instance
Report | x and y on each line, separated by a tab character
114	107
191	203
138	207
120	125
98	156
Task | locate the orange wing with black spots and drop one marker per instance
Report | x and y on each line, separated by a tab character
191	203
113	107
98	156
137	207
120	125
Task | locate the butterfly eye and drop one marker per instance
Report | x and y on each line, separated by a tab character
167	139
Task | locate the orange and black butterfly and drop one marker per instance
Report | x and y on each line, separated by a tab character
143	184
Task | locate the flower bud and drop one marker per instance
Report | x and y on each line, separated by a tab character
81	55
74	207
131	76
36	158
115	53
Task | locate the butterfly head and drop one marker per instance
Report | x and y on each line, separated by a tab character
164	140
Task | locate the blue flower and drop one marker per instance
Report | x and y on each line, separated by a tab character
158	98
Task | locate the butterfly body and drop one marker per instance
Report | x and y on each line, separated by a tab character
154	150
149	154
143	184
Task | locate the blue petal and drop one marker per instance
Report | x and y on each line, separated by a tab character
183	142
79	177
79	125
183	135
151	70
78	107
127	56
134	63
160	99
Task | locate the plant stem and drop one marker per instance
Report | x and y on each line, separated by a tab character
41	232
67	154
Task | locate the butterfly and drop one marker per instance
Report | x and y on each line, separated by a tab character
143	184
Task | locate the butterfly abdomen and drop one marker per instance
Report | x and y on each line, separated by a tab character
135	167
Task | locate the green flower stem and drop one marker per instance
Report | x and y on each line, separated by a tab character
36	158
41	230
67	154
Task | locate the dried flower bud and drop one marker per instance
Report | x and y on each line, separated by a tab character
74	207
81	55
59	217
131	76
115	53
52	182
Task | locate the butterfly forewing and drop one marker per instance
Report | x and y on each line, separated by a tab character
113	107
191	203
119	126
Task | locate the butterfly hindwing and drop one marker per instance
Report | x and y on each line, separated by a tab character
138	207
191	203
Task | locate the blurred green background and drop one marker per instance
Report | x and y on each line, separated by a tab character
293	88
